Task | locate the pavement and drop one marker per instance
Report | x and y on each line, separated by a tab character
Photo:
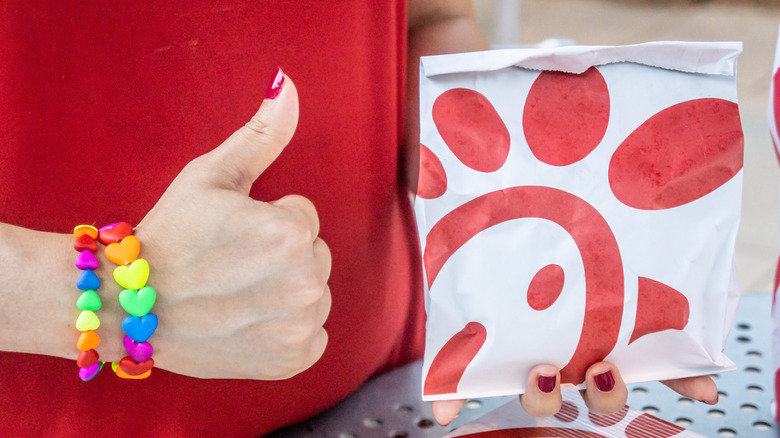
613	22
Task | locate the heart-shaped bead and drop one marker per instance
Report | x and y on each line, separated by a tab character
123	375
87	260
124	252
87	320
88	340
140	329
139	351
85	230
85	243
91	371
114	233
87	358
89	300
134	276
138	303
88	280
132	368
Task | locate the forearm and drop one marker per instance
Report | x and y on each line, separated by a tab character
39	294
435	27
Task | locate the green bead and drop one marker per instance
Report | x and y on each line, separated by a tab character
138	303
89	300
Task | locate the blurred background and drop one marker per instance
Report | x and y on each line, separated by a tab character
618	22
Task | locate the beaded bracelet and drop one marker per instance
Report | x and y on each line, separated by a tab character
123	248
88	302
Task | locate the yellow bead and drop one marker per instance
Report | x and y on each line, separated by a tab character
87	320
134	276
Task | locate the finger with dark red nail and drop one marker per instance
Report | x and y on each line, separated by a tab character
605	391
542	396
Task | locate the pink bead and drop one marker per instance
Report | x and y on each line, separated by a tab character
91	371
138	351
108	227
87	260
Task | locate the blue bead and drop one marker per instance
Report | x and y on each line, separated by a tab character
140	329
88	280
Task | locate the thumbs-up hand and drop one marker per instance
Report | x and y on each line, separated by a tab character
241	283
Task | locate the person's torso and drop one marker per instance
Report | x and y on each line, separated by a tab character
102	104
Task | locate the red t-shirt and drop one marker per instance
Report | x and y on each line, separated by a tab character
103	103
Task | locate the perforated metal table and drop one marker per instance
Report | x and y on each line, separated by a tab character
390	405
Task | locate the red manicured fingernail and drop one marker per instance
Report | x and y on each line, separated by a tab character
275	86
546	383
605	381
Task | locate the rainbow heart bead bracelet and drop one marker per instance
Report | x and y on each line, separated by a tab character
137	299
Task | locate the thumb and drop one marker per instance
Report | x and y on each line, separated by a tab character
249	151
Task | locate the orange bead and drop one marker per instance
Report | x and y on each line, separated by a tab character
124	252
88	340
122	374
89	230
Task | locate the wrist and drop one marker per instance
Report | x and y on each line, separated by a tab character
40	286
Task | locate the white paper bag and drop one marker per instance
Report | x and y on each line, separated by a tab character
577	204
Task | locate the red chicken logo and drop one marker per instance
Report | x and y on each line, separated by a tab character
676	156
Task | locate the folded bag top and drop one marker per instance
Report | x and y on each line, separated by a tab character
716	58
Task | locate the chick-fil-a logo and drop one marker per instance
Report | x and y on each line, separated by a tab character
678	155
